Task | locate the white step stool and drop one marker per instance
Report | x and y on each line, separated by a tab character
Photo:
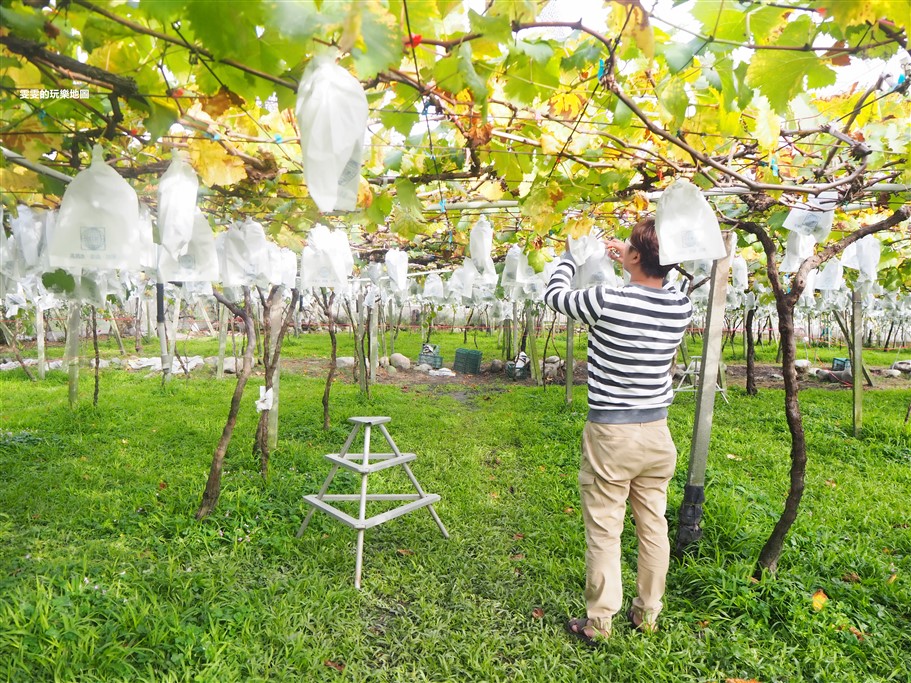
362	464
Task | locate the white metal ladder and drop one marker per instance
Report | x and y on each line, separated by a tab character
361	463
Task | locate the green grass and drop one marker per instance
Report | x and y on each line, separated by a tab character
105	575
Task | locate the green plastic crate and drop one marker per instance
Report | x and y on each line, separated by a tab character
434	360
521	373
468	361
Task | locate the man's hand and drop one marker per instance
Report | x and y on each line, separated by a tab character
615	249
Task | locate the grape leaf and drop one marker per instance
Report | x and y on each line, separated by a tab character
721	20
213	163
379	44
672	96
447	74
475	83
780	74
622	114
857	12
680	55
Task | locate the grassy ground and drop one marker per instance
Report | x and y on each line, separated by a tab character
105	576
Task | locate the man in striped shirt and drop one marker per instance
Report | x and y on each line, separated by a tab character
627	449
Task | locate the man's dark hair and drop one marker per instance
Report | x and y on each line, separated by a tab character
644	239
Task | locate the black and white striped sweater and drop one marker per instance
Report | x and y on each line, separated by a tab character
634	332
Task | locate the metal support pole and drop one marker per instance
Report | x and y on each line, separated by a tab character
362	511
162	336
39	341
857	323
690	514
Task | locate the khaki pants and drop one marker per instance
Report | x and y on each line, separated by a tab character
633	461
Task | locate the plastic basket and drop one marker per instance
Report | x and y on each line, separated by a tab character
467	360
434	360
841	363
521	373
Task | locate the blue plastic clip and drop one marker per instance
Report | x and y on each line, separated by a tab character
426	107
216	137
443	205
42	115
901	79
600	68
278	138
774	166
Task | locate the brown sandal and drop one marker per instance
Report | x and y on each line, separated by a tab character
643	626
584	631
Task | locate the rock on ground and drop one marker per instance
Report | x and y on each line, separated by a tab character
399	361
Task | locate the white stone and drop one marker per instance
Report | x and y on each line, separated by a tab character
496	365
399	361
423	367
552	359
892	373
344	362
390	369
552	371
902	365
383	361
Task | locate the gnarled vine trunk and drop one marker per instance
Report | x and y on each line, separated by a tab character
326	304
751	353
771	551
213	483
271	357
785	301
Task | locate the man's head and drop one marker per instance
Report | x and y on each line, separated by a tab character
643	242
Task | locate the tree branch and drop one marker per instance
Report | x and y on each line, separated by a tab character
34	52
614	87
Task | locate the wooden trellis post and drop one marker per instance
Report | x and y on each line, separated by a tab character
690	514
857	342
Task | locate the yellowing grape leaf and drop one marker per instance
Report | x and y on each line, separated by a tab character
766	125
491	191
213	163
577	227
854	12
566	104
819	600
550	144
632	19
364	194
220	102
640	202
749	254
